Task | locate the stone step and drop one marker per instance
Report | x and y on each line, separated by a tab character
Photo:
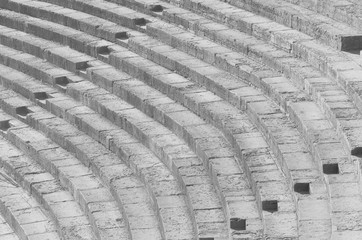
89	122
337	65
153	143
102	162
213	113
88	23
335	34
333	131
271	120
166	145
61	172
181	161
107	109
233	40
7	233
164	50
305	71
326	59
162	149
314	83
243	16
24	214
116	175
336	161
156	108
300	73
108	11
164	56
57	62
165	53
76	39
72	175
223	58
347	12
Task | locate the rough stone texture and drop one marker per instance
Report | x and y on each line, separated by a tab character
180	119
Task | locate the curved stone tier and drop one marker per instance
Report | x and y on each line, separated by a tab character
180	119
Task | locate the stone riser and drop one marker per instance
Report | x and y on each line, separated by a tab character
61	62
269	115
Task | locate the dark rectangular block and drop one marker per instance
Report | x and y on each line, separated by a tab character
348	43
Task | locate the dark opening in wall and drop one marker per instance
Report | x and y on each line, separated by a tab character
22	111
270	206
5	125
207	238
156	8
82	66
103	53
350	43
357	152
62	81
331	168
41	96
238	224
140	21
302	188
122	35
104	50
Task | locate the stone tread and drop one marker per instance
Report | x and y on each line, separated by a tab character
227	152
24	215
308	46
93	160
81	116
6	232
44	187
63	167
161	148
64	16
300	72
310	51
328	149
336	110
110	224
347	12
75	91
236	132
339	66
254	74
106	10
143	39
73	137
316	84
84	50
253	24
322	28
72	68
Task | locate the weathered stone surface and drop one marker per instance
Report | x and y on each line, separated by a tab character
180	119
